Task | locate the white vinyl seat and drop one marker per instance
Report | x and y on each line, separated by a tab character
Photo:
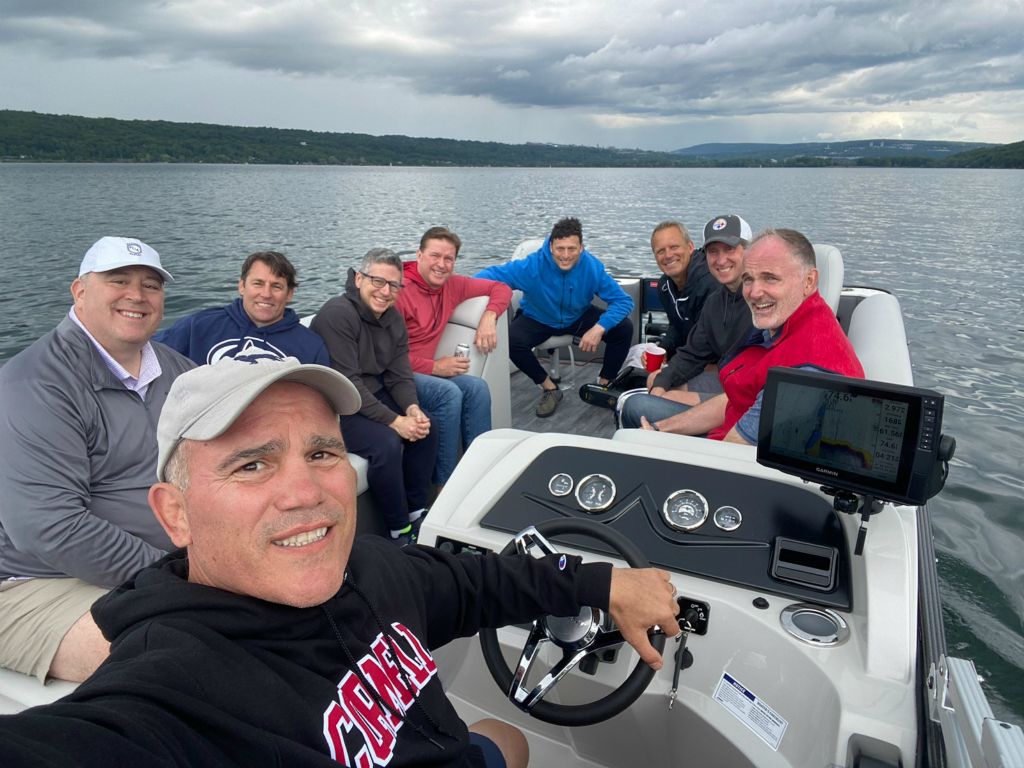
554	344
830	274
879	338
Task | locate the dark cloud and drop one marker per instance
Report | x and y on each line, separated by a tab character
645	60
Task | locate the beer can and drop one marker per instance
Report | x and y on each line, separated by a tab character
462	350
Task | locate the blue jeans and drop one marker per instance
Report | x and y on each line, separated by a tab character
653	407
460	410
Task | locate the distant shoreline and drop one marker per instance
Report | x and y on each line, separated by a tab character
32	137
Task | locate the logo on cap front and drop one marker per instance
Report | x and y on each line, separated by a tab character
719	224
134	249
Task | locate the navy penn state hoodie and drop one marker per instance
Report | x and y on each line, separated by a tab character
210	334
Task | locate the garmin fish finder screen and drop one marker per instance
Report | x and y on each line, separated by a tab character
840	430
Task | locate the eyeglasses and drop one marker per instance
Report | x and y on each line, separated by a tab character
380	282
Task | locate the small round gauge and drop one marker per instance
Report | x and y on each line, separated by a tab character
728	518
560	484
595	492
684	510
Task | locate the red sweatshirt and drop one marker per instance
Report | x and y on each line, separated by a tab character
426	310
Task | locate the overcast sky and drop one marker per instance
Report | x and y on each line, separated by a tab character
626	73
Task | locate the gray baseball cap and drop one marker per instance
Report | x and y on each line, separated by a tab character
109	253
729	229
204	402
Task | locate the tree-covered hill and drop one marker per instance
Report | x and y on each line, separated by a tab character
36	137
1006	156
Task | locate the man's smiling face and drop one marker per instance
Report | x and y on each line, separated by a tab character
121	308
268	509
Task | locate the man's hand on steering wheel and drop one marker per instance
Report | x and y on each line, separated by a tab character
639	599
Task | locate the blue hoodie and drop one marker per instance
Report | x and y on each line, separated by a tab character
558	298
210	334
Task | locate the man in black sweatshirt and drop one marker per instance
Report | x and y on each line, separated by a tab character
270	639
724	321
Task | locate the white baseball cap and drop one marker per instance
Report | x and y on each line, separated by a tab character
205	401
109	253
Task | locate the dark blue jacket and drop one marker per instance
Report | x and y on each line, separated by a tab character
210	334
683	307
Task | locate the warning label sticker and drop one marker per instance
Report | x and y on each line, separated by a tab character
746	707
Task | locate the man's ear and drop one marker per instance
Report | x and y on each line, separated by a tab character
168	504
811	282
77	286
241	287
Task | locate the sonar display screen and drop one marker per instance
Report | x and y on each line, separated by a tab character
841	430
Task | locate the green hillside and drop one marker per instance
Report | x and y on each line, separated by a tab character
1006	156
30	136
36	137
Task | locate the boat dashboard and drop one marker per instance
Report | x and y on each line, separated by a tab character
749	531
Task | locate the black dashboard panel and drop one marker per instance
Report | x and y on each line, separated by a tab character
769	512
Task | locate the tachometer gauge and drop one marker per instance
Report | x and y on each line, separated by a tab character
728	518
684	510
595	492
560	485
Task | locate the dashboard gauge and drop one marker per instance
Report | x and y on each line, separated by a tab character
728	518
595	492
684	510
560	484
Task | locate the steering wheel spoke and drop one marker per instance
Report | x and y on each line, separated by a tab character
530	539
526	700
537	637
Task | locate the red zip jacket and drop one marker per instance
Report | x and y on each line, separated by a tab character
811	336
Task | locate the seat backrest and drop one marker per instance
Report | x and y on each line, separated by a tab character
880	340
493	368
830	274
521	251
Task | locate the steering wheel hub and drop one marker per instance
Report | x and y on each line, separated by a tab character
574	632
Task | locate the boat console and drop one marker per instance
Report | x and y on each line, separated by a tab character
801	636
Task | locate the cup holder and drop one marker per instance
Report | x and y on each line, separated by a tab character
814	625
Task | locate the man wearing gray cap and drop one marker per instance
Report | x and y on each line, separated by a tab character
78	415
272	638
723	322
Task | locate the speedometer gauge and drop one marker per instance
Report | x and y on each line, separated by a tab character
684	510
560	484
595	492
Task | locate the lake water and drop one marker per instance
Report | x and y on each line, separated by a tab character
947	242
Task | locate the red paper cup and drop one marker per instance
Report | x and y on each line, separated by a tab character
654	360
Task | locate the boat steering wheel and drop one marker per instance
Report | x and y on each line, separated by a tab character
589	632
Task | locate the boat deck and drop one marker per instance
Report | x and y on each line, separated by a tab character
572	415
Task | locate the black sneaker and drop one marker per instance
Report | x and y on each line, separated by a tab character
416	525
548	402
595	394
405	538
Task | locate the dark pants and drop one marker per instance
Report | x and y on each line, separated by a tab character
399	471
525	334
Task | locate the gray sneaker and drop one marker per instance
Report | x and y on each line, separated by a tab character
548	402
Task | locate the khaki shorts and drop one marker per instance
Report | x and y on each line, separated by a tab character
35	614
